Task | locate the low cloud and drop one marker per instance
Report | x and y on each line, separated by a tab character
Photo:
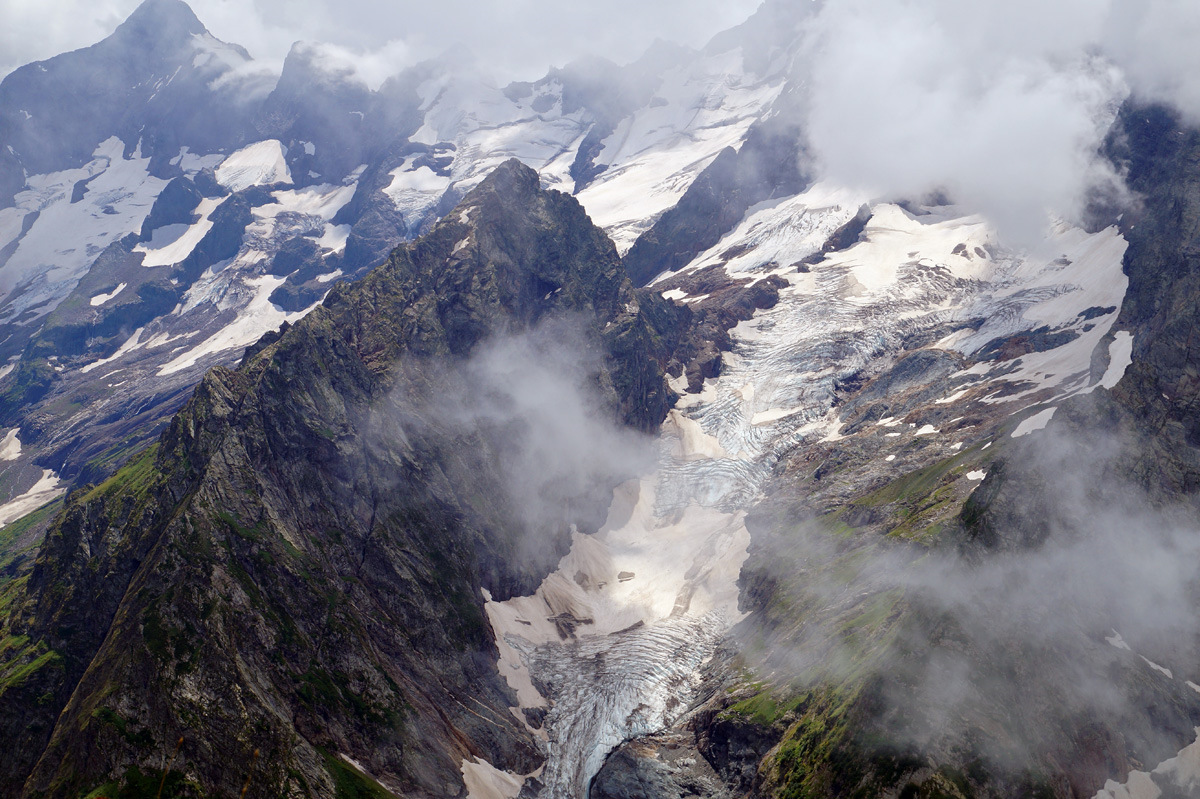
1071	618
515	39
998	105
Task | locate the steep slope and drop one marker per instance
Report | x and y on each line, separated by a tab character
287	583
195	202
909	360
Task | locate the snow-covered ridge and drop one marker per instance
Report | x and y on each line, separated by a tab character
69	230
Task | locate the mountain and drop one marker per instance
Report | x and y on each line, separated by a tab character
572	438
192	204
257	503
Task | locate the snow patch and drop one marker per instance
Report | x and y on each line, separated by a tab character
10	447
977	475
955	397
1120	356
170	244
485	781
132	343
259	316
322	201
1183	770
100	299
334	238
415	191
1158	668
261	163
1116	640
1036	422
48	488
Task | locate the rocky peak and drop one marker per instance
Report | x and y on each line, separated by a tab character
142	82
158	25
295	488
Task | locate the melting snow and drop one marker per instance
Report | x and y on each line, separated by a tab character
100	299
1036	422
976	475
10	447
170	244
485	781
261	163
43	491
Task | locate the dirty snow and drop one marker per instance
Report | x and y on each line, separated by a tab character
10	447
48	488
485	781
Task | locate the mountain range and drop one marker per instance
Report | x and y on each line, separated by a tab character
574	438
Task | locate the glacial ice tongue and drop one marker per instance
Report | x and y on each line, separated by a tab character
613	642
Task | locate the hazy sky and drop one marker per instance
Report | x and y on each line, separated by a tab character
519	38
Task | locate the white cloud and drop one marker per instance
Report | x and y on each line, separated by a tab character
998	103
518	38
1002	103
1155	41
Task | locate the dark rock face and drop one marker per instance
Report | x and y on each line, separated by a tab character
173	206
768	165
637	772
293	570
1143	435
312	104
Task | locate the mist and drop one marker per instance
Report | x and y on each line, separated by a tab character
1074	610
516	39
1000	106
530	428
